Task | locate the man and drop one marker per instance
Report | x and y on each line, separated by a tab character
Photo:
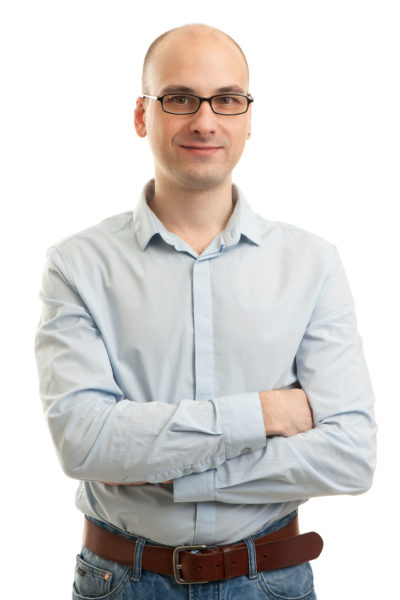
200	367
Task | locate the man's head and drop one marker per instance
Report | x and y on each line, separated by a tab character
191	31
197	150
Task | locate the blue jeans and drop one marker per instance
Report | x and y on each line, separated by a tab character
101	579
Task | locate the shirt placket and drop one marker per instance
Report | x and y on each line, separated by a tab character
204	373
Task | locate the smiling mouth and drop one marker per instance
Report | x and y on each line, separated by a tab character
202	150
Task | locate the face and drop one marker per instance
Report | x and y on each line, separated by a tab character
199	150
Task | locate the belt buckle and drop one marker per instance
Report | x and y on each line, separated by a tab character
178	567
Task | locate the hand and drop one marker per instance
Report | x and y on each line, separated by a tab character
286	412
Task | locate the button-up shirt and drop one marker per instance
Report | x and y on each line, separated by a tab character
151	357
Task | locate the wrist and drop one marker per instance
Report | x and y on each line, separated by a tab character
272	424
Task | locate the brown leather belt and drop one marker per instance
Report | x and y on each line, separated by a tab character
200	564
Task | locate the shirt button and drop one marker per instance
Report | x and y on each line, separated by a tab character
245	450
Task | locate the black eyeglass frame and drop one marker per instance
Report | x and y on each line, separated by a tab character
248	97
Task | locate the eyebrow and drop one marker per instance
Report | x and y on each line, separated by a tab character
182	88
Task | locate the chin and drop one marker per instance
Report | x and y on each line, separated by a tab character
201	181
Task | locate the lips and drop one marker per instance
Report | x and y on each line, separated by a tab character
201	150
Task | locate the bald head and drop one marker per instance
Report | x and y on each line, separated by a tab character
189	33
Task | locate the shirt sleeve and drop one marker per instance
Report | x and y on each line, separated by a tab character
99	434
338	455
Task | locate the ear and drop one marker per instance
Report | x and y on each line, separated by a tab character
139	113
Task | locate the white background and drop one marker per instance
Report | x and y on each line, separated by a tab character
324	155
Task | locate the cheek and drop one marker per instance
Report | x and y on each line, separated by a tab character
237	133
156	141
239	141
161	135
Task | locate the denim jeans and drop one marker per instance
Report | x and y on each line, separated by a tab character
101	579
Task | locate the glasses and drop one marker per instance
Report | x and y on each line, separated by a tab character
188	104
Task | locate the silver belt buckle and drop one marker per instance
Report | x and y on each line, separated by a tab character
178	567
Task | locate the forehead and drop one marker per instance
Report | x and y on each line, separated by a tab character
203	63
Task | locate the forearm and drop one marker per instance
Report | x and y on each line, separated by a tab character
337	457
285	412
123	441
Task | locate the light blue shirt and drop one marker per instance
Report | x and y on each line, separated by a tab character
151	357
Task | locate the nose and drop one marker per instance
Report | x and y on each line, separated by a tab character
203	122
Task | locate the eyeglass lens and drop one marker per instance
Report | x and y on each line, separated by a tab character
186	103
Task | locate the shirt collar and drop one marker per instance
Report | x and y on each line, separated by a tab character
243	221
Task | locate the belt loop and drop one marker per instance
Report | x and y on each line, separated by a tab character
137	560
251	553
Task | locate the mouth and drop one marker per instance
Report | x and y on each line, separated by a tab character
202	150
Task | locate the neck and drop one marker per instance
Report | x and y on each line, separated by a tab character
192	213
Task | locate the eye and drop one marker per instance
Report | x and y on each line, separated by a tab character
180	103
181	100
228	100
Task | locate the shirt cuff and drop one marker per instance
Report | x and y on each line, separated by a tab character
242	423
198	487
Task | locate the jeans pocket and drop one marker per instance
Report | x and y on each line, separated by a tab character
289	583
97	578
